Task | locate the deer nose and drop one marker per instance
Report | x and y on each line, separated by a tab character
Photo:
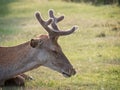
73	71
69	72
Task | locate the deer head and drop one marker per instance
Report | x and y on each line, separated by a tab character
49	50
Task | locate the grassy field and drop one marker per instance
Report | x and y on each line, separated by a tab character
94	50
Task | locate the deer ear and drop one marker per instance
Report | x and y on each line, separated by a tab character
34	43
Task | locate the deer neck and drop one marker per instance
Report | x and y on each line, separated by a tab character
16	60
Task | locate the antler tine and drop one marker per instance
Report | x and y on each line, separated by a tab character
62	33
44	23
55	27
55	20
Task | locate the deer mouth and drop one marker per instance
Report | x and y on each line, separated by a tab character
69	74
66	74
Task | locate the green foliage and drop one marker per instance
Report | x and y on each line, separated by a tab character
94	50
96	2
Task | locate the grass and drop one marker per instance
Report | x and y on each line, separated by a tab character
94	50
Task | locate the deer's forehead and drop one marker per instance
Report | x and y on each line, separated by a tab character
42	36
49	43
52	45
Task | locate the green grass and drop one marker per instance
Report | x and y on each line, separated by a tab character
94	50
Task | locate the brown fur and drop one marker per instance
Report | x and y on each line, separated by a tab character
14	53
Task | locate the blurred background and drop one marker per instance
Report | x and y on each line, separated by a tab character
93	50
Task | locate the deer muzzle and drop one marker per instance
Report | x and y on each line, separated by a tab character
69	72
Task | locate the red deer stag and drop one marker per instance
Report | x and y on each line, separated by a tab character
43	50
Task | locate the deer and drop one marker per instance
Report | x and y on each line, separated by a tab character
42	50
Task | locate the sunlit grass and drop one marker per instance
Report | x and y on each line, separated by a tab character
94	49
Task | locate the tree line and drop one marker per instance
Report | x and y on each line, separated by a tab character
96	1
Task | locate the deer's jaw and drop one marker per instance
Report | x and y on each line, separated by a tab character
67	72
